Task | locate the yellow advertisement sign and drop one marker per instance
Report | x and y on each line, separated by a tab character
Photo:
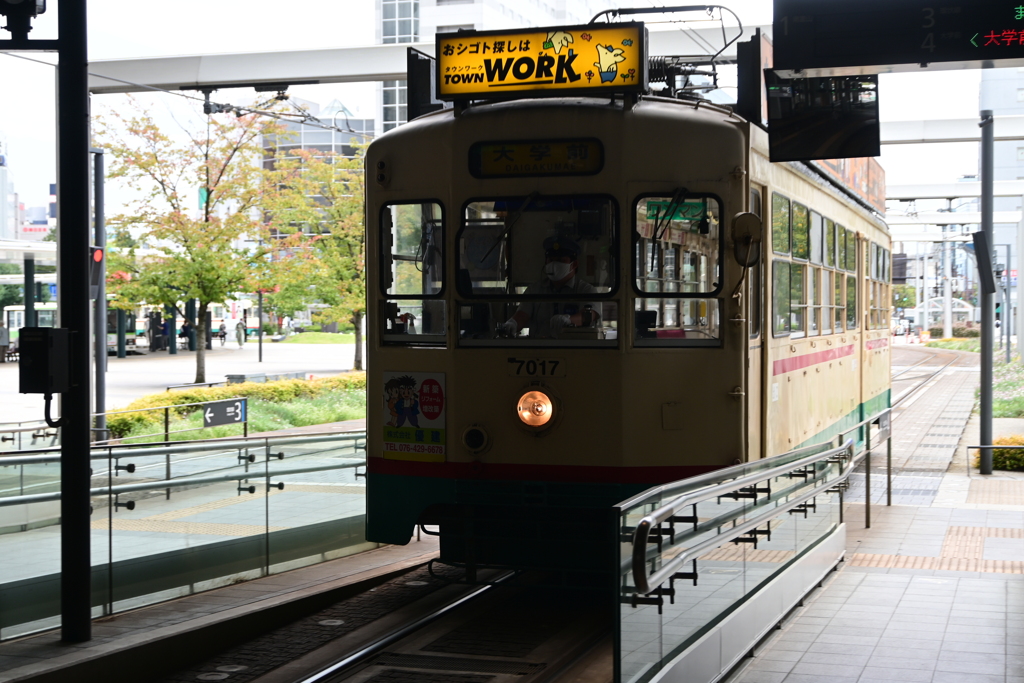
579	60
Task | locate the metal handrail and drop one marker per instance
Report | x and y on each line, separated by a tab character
645	584
866	421
134	449
721	474
178	483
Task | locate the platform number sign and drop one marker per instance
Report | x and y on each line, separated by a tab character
414	416
227	412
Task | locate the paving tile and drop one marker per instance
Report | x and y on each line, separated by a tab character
874	674
754	676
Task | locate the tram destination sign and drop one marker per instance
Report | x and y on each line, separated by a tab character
227	412
814	38
562	60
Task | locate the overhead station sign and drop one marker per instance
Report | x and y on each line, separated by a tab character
813	38
574	60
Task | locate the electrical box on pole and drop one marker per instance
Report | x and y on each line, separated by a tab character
43	366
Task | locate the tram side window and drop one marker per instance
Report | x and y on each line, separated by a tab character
813	302
412	273
797	305
755	288
538	271
826	301
840	300
830	243
780	224
780	298
801	232
851	250
678	271
851	302
816	238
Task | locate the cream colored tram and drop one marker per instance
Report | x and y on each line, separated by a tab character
516	445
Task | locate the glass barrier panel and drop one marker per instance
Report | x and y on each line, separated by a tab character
640	626
729	567
316	506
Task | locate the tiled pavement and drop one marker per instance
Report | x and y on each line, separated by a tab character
933	592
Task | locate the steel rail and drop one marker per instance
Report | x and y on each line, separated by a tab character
375	647
910	368
645	583
910	392
178	483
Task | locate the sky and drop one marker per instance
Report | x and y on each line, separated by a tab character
147	28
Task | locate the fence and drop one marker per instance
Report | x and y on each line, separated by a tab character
241	508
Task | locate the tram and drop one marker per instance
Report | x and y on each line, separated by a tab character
575	296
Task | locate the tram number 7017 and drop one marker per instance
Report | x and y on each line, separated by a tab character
536	367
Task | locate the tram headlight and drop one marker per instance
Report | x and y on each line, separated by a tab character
535	408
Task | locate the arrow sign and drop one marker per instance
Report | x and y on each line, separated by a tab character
227	412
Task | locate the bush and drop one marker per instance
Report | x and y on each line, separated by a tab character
958	332
1006	459
280	391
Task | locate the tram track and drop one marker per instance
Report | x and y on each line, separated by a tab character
921	381
508	631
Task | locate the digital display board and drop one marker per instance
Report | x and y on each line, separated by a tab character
574	60
825	37
533	158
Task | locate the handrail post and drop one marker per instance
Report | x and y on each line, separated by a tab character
867	478
888	470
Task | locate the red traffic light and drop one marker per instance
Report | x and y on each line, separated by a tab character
97	254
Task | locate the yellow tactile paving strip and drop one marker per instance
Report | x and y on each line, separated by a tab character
953	564
189	528
996	492
962	551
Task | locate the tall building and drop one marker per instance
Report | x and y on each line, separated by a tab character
8	219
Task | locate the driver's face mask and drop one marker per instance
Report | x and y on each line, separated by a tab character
556	270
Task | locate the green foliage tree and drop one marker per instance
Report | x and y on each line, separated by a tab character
10	295
320	204
208	251
904	296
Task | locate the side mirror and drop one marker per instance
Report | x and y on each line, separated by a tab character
746	237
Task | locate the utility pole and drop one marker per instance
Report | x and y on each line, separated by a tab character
987	314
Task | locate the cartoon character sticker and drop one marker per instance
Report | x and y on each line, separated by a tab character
556	40
414	419
608	59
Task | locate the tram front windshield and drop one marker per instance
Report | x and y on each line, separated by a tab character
537	271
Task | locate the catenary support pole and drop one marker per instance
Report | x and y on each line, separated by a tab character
987	313
100	307
122	324
73	253
1008	304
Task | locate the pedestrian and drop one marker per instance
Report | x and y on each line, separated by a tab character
240	332
5	341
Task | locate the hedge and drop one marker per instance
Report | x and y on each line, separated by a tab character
280	391
958	332
1004	459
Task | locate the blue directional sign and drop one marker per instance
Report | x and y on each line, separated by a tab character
53	291
227	412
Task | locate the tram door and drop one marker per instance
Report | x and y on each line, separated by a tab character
756	347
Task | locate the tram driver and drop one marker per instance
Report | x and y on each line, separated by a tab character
547	319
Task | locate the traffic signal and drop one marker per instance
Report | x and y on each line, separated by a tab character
97	269
20	14
998	311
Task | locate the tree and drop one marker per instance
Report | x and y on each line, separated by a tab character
209	253
904	296
320	204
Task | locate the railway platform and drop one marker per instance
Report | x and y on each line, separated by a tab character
932	591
